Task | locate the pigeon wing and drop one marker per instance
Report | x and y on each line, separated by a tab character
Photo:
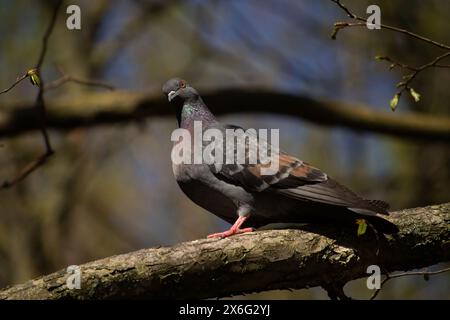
295	179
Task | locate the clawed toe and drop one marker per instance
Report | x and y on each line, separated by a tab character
229	233
235	229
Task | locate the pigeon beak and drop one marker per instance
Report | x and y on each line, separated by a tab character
172	94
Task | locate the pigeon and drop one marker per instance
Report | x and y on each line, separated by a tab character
241	195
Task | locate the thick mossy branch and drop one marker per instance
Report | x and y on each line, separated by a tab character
102	108
258	261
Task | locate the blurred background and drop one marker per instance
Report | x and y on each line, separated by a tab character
110	189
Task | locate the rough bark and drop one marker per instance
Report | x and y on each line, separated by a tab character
258	261
101	108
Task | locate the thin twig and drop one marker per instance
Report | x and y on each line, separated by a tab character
392	28
47	34
408	78
19	79
26	171
40	107
396	63
68	78
417	273
405	85
40	103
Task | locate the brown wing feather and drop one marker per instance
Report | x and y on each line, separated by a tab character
297	179
302	181
291	173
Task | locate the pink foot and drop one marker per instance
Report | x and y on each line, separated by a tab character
235	229
229	232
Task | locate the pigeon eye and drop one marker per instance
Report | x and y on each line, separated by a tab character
182	84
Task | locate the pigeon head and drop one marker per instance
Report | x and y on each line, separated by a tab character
179	89
189	106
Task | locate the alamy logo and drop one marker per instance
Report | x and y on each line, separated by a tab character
73	22
374	20
74	279
374	280
216	147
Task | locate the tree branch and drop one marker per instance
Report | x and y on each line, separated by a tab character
425	274
385	26
404	85
119	107
253	262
